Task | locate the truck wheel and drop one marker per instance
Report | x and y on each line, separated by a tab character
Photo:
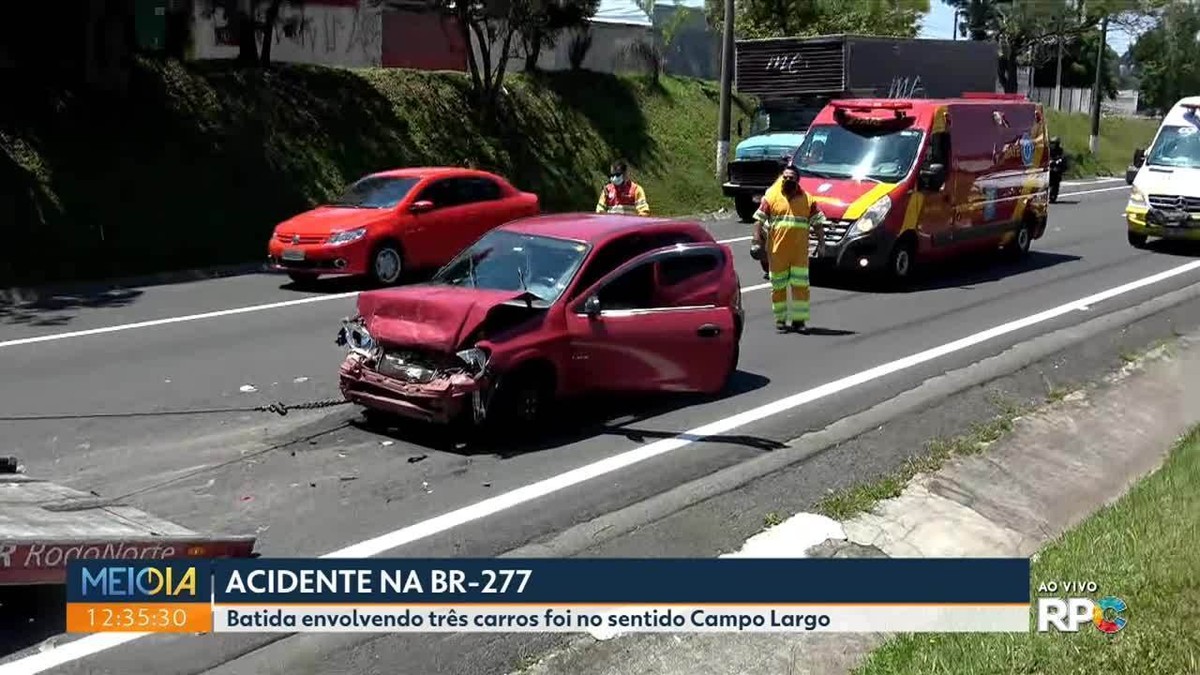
901	261
1137	240
745	207
1021	242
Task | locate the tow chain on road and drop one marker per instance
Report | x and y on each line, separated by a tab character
279	407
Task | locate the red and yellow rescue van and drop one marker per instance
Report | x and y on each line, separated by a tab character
908	181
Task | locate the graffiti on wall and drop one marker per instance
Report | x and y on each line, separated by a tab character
906	87
310	33
785	63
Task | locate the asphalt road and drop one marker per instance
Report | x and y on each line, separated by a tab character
313	483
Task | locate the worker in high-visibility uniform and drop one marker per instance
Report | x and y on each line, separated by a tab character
622	195
786	217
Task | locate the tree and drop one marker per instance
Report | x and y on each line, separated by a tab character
1078	64
546	24
803	18
1023	29
1168	57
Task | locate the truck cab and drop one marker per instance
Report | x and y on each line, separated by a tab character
1165	199
776	129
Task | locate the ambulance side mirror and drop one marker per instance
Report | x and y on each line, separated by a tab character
932	177
1139	158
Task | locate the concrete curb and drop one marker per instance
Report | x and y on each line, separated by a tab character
609	526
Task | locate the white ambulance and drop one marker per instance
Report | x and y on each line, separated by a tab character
1165	199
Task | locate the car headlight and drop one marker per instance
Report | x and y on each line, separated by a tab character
873	216
1137	197
347	236
355	337
475	358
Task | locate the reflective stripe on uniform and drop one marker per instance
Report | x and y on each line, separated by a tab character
798	275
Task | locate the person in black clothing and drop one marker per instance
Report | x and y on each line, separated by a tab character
1058	166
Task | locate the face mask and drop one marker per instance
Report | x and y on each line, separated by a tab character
617	179
790	185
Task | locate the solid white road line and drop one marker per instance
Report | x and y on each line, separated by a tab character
94	644
286	303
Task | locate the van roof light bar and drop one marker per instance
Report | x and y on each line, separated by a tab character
871	104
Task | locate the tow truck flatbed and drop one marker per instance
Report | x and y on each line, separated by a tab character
44	525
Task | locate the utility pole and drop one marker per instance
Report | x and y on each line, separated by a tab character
726	92
955	29
1058	69
1094	138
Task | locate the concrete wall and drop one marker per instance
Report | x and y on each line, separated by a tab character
326	32
695	49
609	53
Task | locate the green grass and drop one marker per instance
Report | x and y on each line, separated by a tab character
196	163
1119	137
849	502
1141	549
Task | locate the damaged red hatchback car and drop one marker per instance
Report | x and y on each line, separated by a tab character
546	308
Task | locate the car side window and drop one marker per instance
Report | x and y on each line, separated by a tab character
481	190
677	280
620	251
440	193
939	149
632	290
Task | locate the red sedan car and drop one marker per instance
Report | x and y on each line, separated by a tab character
391	222
545	308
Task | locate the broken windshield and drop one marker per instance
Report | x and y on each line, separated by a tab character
511	261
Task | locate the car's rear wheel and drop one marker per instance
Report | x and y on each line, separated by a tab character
387	264
1137	240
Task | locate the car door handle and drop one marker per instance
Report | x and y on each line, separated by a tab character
708	330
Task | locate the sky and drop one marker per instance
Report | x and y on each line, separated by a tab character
939	23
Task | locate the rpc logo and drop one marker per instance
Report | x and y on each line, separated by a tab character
127	582
1067	615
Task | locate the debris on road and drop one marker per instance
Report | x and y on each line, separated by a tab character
247	498
416	458
347	478
300	380
247	389
387	443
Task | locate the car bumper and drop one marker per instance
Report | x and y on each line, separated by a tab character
440	401
859	252
741	189
352	258
1135	219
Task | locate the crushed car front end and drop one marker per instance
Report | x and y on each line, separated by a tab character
413	382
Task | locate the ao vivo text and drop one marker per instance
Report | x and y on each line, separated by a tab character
1067	615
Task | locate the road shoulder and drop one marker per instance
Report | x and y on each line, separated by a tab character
1054	467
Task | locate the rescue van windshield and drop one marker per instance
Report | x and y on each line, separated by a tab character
1177	147
833	151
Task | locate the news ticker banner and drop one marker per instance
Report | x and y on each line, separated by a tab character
549	595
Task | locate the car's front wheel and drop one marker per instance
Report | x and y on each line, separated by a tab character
387	264
1137	240
522	401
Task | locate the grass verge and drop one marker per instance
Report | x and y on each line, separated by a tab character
1119	137
849	502
1141	549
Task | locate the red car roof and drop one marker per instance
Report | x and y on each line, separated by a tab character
596	228
431	171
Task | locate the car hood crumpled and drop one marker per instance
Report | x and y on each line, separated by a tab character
432	317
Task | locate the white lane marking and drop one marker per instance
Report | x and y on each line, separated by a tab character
1093	181
285	303
94	644
1091	192
175	319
